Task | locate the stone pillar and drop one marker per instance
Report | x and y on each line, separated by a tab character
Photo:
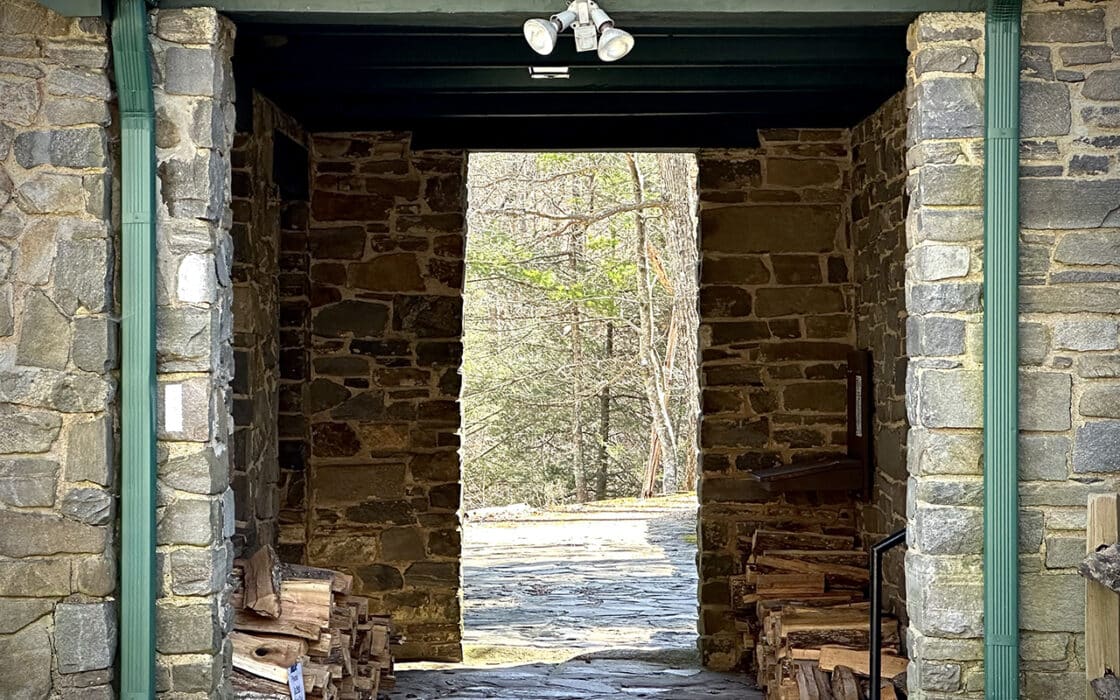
58	357
386	248
776	324
194	326
1069	341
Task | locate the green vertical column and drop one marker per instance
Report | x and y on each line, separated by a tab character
1001	353
131	63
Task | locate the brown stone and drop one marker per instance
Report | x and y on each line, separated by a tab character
429	316
379	577
385	437
392	512
725	432
789	172
403	544
732	375
725	174
398	272
334	440
747	270
739	332
433	574
353	484
721	402
804	350
445	543
362	319
449	246
724	302
796	269
347	243
366	405
445	496
836	326
440	467
446	193
770	228
798	301
342	366
335	206
818	397
323	394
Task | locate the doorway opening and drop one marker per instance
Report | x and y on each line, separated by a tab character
580	406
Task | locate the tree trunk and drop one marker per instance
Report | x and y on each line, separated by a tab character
683	244
651	364
577	408
604	423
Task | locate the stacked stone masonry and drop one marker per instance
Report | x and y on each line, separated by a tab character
878	235
386	247
777	322
1070	292
194	349
58	356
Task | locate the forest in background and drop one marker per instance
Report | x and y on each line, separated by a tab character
580	363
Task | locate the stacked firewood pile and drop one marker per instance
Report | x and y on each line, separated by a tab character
801	602
286	614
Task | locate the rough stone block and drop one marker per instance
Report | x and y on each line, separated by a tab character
1069	299
79	82
1045	110
67	148
1064	552
1052	602
184	339
1045	400
28	483
35	534
200	25
938	262
948	530
945	59
83	274
197	414
950	398
194	189
1096	447
196	572
1100	401
15	613
1102	85
52	193
1051	203
85	636
190	71
772	302
950	185
95	344
187	629
190	521
946	297
948	108
89	452
1089	248
45	339
947	225
768	228
35	578
1044	457
27	654
1069	26
92	506
27	431
359	318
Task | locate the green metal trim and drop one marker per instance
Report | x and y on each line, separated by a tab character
131	63
1001	353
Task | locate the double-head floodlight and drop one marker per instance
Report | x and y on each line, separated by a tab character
593	28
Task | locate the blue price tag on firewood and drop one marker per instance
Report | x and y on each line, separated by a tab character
295	682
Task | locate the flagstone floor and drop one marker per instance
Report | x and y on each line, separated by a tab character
579	604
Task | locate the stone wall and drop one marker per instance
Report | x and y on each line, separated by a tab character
878	235
386	247
1070	290
262	206
777	322
194	327
58	357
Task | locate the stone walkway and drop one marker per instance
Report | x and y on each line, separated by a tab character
579	604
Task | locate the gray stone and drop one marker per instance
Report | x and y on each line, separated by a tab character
1089	248
187	629
937	452
35	534
70	148
948	225
950	492
35	253
1044	401
1054	683
945	595
194	189
1089	165
1048	203
948	108
1099	366
35	578
95	344
1069	299
191	72
1034	343
189	521
1069	26
21	100
27	655
942	298
17	613
79	82
45	337
1102	85
28	483
183	339
92	506
948	530
1086	55
946	26
96	575
360	318
198	571
1052	602
1100	401
199	472
85	636
1032	527
196	676
938	262
197	411
7	134
83	273
946	59
1096	447
89	452
74	111
1045	109
1043	458
938	677
7	318
51	193
72	53
960	185
1101	117
27	431
1036	62
936	336
1037	646
1064	552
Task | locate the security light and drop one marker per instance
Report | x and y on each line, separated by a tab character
593	28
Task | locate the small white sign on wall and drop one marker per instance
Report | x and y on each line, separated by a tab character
295	682
173	408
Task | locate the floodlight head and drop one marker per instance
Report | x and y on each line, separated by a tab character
541	35
614	44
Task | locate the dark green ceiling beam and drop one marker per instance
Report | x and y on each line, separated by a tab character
78	8
413	50
503	12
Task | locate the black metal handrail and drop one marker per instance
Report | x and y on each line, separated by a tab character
877	551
